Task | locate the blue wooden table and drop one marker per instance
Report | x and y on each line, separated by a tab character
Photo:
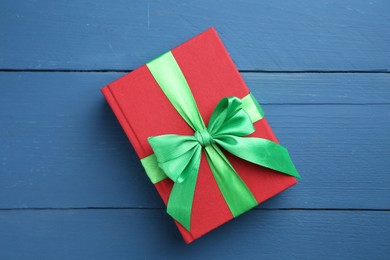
72	187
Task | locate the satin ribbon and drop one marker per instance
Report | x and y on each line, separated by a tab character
179	156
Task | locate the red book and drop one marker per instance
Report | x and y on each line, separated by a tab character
143	111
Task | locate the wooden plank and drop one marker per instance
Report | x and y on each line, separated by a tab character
319	88
272	35
61	146
259	234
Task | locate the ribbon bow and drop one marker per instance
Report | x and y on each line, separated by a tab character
179	156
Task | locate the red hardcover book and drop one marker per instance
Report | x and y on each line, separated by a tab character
143	111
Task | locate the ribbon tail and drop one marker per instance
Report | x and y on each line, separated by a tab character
182	194
259	151
180	201
237	195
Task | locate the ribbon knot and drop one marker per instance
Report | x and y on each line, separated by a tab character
203	137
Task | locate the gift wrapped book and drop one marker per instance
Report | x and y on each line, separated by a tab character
201	136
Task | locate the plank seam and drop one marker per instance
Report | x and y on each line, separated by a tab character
326	104
380	71
158	208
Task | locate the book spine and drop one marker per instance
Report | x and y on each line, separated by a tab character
163	187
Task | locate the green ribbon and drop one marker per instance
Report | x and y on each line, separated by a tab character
179	156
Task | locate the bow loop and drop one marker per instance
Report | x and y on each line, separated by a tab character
178	156
229	118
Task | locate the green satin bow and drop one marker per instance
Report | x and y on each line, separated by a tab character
179	156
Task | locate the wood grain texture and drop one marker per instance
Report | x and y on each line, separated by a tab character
59	137
259	234
319	88
260	35
71	186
